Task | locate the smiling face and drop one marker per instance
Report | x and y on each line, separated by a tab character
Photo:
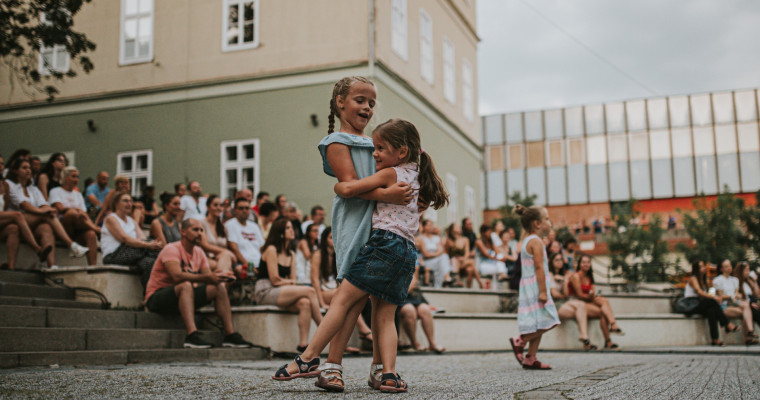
215	207
385	155
71	180
174	206
357	107
585	264
726	268
290	233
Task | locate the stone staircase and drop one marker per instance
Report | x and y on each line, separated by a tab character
44	325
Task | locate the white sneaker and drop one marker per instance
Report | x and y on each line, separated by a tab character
77	250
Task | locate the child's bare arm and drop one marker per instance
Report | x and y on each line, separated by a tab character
339	158
380	179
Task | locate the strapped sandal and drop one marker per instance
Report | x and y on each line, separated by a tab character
518	347
305	370
366	336
729	330
750	341
587	345
330	378
616	331
375	375
438	350
392	383
533	363
610	345
752	334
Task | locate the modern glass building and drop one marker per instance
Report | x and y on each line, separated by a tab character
647	149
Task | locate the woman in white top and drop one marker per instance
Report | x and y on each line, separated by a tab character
214	242
306	247
69	204
434	255
123	242
733	305
13	226
121	184
41	217
709	304
748	289
490	262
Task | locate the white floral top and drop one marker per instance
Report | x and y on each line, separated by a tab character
402	220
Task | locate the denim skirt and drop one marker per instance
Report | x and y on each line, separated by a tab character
384	266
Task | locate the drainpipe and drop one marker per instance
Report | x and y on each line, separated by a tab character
371	61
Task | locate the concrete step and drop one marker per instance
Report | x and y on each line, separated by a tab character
115	357
39	291
32	301
117	283
22	277
53	317
77	339
27	258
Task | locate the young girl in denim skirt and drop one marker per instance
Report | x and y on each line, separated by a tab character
384	267
536	312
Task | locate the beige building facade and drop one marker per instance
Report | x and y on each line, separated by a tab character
234	93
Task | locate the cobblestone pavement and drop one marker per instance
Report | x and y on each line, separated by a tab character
469	376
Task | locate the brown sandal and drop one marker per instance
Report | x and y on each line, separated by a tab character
587	345
331	378
518	347
392	383
531	362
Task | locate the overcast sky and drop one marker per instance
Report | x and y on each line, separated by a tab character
540	54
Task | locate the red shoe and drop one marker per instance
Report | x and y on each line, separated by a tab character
531	362
518	347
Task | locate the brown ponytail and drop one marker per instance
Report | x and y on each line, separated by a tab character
528	215
341	88
431	186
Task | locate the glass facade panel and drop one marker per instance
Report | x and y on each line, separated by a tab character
516	182
597	183
703	141
553	124
683	172
659	142
496	191
657	109
681	142
576	182
596	150
639	146
492	125
594	119
556	152
575	150
725	139
748	137
700	109
745	105
723	107
615	114
662	179
495	158
514	127
750	163
637	117
619	181
640	185
533	126
557	186
707	179
537	184
728	172
516	156
574	121
679	111
535	154
618	148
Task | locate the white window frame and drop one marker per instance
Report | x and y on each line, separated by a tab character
468	96
239	165
133	174
399	28
452	211
225	21
427	56
125	59
469	201
449	72
56	51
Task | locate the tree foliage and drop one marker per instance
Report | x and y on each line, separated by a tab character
636	251
716	229
750	218
23	32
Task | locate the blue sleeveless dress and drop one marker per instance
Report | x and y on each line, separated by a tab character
533	316
351	218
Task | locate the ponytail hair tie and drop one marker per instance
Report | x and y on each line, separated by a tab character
422	150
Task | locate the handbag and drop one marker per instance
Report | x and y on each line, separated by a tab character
686	305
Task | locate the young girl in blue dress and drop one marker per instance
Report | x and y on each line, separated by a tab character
384	267
536	312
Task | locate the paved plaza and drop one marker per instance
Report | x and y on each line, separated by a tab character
457	376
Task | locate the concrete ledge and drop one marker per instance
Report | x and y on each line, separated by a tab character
27	258
117	283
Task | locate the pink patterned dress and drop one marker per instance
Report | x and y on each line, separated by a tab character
533	316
